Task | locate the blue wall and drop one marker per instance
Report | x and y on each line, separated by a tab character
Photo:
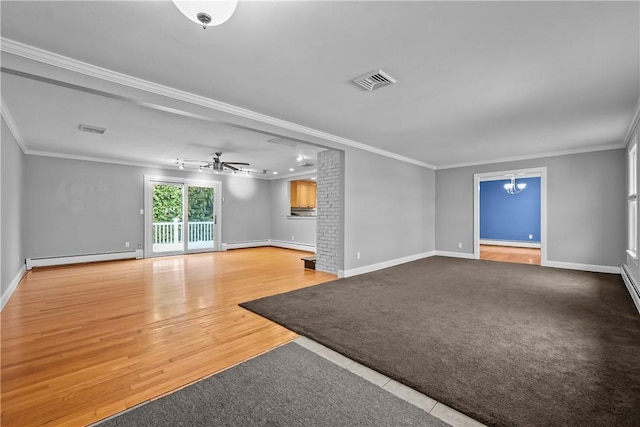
510	217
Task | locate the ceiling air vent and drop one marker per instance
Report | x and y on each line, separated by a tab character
282	141
374	80
92	129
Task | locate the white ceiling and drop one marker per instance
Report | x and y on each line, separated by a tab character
477	81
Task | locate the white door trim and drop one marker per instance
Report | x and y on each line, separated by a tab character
522	173
149	180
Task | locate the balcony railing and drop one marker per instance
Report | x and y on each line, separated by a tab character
168	236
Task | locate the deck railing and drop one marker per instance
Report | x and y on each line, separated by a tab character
171	232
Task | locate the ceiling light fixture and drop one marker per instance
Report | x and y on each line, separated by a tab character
513	187
207	13
291	169
299	158
275	172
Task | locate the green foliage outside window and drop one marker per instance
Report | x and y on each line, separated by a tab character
167	203
200	204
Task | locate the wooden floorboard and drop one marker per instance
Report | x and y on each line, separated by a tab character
81	343
510	254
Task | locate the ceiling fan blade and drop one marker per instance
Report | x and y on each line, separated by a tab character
233	168
235	163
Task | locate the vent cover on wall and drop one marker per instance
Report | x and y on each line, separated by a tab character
374	80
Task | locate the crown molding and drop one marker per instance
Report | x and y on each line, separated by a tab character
13	128
633	125
533	156
43	56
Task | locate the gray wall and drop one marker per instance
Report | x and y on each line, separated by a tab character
389	209
75	207
585	206
246	210
12	250
284	227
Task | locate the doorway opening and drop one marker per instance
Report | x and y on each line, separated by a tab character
510	216
181	216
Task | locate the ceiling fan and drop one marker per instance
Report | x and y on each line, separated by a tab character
216	164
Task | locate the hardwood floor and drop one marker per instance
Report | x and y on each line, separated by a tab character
510	254
81	343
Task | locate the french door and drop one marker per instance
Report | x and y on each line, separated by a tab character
181	216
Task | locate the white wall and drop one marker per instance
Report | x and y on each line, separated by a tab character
283	226
585	206
11	192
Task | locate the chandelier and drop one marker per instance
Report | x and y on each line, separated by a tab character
514	187
207	13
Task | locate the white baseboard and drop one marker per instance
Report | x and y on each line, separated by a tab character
77	259
455	254
631	286
12	287
385	264
583	267
291	245
269	242
509	243
247	244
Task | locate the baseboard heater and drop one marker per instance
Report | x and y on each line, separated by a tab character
78	259
632	286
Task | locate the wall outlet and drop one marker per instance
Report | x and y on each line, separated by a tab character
530	236
126	244
459	245
141	211
140	245
358	255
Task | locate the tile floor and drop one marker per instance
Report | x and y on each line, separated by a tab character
437	409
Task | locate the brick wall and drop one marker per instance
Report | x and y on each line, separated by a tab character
329	229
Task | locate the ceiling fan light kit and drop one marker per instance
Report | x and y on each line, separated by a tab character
207	13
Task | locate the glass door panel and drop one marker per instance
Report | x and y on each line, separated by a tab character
201	218
167	233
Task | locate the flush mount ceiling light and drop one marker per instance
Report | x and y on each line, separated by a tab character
514	187
207	13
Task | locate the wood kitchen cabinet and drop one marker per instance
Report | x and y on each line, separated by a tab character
303	194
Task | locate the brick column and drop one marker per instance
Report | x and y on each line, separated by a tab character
329	210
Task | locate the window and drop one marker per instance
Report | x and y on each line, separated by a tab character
632	197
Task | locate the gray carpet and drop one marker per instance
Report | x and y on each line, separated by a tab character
506	344
289	386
